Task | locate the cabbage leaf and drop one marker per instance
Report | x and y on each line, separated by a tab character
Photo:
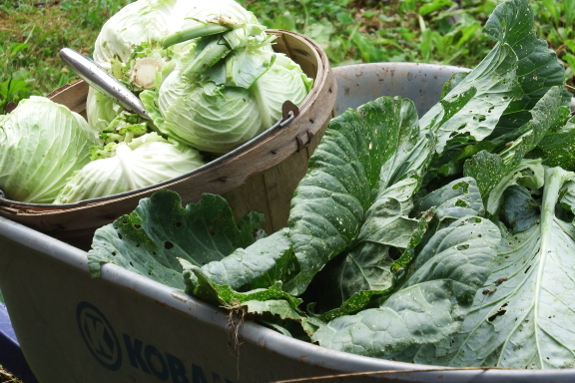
42	145
143	161
150	240
522	314
432	303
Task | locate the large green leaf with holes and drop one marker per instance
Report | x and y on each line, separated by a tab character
360	181
523	316
432	304
151	240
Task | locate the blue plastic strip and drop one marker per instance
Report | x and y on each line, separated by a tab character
11	357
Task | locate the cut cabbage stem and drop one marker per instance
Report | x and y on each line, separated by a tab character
145	70
214	50
201	29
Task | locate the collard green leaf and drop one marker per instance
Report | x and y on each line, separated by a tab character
290	321
453	81
420	315
538	68
433	302
372	269
259	265
557	148
490	169
330	204
457	199
367	272
150	240
224	295
510	80
520	211
473	107
528	172
522	316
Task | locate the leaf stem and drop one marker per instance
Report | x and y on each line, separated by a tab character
201	29
554	180
215	50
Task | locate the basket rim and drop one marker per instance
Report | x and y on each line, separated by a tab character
323	75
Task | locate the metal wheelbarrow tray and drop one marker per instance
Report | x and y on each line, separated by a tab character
123	327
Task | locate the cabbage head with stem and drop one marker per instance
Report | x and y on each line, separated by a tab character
205	71
228	89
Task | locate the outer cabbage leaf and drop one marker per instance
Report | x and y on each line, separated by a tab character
473	108
260	265
517	72
489	169
151	240
223	295
272	305
557	146
371	267
281	316
538	67
527	172
433	302
145	161
455	200
521	211
42	145
522	316
330	204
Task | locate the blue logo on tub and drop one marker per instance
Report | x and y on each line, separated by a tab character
99	336
107	349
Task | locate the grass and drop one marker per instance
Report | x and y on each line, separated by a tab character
429	31
350	31
34	34
358	31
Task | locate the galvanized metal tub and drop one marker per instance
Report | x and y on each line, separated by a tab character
124	327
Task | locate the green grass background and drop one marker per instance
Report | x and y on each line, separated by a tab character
427	31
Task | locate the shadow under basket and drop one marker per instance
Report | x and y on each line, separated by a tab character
261	175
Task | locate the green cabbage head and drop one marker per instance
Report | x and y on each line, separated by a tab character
144	161
234	101
42	145
129	43
205	71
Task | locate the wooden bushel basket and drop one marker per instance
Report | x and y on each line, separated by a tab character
260	176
